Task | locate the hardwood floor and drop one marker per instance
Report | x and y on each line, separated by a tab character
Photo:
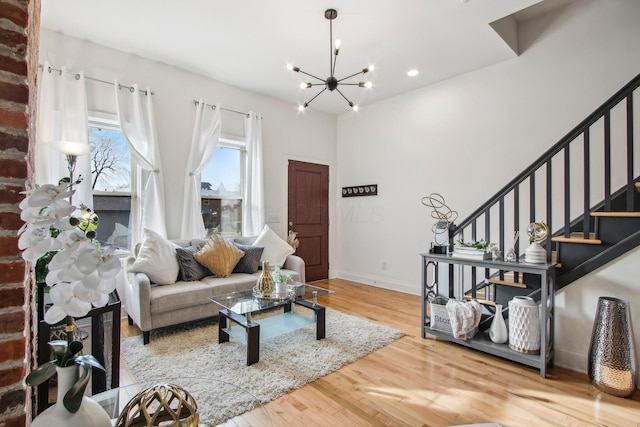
424	382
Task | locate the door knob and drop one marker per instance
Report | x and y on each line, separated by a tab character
290	224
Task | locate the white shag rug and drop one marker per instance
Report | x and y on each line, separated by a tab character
287	362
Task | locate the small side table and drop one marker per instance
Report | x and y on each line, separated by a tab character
105	345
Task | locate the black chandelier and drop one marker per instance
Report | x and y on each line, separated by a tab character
331	83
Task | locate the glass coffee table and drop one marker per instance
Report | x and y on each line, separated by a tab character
239	307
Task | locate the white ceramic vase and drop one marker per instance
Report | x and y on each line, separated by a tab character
535	254
498	330
524	325
89	414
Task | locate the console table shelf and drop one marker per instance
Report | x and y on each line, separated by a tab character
489	269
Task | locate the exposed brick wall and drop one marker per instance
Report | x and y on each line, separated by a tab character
19	32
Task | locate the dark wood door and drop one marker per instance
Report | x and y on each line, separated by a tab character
309	215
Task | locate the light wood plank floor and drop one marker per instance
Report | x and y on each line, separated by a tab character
424	382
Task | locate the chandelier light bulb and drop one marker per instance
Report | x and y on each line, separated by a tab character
367	85
372	67
304	85
413	73
355	107
301	108
289	67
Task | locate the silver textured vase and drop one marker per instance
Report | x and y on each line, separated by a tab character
612	357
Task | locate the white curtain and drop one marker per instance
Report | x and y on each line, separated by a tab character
62	116
206	132
253	215
135	113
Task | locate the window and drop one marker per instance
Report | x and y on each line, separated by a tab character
222	189
111	181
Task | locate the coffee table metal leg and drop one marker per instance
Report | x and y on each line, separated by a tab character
223	336
253	343
320	322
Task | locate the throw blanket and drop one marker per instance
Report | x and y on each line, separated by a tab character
464	316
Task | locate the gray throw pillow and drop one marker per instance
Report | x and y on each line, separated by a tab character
190	269
250	262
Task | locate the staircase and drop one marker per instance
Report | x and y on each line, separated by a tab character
585	188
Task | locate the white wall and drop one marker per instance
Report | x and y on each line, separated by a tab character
468	136
286	133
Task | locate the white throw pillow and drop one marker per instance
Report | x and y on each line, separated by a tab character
157	259
275	249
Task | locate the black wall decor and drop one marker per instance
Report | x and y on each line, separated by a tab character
360	190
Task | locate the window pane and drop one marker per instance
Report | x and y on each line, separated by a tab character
221	185
110	161
222	216
222	175
111	180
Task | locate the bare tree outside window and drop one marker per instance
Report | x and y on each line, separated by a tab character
110	161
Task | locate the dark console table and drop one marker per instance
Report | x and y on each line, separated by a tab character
542	293
101	329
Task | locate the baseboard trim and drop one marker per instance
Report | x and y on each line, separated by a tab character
384	283
570	360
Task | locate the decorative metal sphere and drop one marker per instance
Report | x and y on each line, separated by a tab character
537	231
159	405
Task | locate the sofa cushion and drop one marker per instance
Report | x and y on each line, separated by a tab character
190	269
275	249
219	255
250	262
156	258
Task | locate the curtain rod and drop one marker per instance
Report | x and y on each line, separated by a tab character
94	79
213	107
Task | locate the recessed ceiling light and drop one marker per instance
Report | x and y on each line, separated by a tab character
413	73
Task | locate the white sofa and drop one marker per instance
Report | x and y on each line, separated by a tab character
151	306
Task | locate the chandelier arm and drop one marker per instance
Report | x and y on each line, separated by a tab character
318	94
352	75
311	75
349	84
345	98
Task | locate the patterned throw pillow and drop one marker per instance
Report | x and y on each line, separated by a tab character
219	256
250	262
190	268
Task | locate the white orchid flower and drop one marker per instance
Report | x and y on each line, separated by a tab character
105	262
80	274
65	303
36	241
49	195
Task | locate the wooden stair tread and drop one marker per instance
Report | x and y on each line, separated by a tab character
507	283
617	214
481	301
581	240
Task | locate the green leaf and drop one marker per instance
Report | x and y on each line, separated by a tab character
73	398
41	373
89	360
